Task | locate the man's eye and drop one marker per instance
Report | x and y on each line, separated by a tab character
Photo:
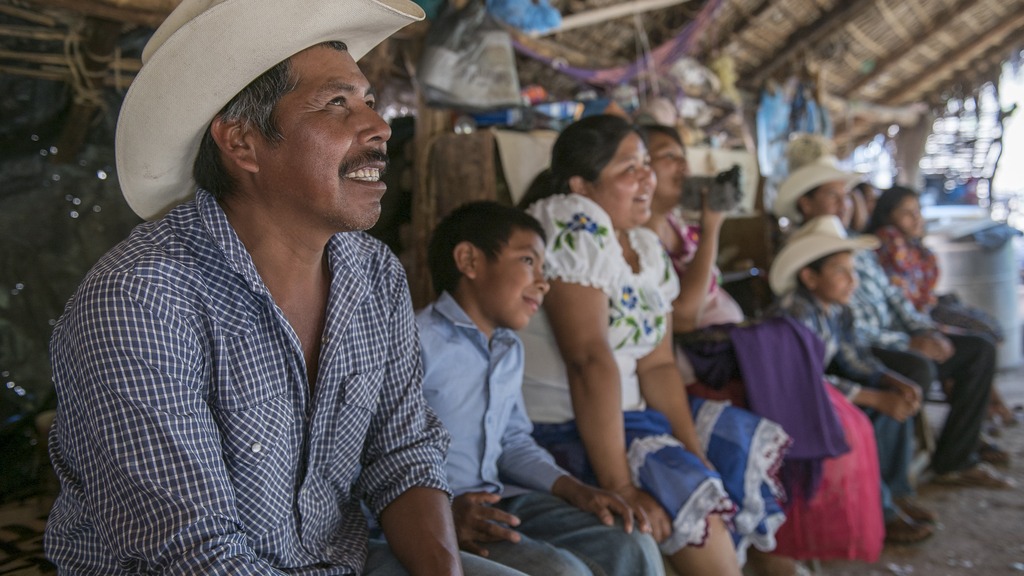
371	104
339	101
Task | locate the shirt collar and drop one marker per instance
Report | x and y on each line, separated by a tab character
450	310
341	250
224	236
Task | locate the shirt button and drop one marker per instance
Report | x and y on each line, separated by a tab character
257	447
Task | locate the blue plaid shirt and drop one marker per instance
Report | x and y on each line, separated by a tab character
186	439
883	315
849	365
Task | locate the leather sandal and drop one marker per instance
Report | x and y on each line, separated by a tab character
980	475
916	511
993	454
903	530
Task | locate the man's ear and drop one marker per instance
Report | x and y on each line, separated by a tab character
235	142
466	257
803	206
809	277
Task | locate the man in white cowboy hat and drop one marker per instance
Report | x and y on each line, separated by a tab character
903	338
241	375
814	277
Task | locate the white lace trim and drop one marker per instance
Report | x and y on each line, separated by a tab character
641	448
708	414
766	450
690	526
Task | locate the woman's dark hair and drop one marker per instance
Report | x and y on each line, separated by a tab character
886	204
583	149
254	107
485	224
648	130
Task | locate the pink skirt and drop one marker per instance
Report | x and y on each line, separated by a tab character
844	519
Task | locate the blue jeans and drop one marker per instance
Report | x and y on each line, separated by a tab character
895	441
558	538
381	562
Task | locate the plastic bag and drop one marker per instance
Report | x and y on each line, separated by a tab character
468	61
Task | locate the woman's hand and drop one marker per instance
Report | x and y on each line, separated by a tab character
710	220
476	521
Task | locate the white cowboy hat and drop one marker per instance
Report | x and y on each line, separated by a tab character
816	239
202	55
807	178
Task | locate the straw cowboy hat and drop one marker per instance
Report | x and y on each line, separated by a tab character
816	239
807	178
202	55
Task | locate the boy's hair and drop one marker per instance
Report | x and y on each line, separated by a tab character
817	265
485	224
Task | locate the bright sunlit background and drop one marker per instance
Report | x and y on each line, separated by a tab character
1008	182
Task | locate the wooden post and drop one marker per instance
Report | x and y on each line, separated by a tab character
99	40
430	122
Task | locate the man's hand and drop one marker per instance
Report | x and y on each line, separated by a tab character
897	407
933	345
901	385
651	517
601	503
476	521
901	400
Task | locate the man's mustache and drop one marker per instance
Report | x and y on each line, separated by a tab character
368	157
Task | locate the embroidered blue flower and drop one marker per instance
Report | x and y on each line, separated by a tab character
647	327
628	297
580	223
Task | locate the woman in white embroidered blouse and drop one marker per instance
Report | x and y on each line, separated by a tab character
601	383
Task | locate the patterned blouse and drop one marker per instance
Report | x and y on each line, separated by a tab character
910	265
582	249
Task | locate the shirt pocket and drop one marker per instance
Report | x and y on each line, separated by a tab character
359	401
260	427
260	460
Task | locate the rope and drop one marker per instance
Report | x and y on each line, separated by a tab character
644	48
81	78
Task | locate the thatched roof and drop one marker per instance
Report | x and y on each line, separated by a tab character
866	56
870	59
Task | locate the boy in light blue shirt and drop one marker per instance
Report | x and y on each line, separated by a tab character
512	503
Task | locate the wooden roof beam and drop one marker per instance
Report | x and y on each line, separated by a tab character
976	46
807	36
103	11
982	69
741	25
938	23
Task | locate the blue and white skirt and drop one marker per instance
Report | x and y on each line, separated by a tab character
745	450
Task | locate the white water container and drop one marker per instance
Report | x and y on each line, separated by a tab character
987	278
